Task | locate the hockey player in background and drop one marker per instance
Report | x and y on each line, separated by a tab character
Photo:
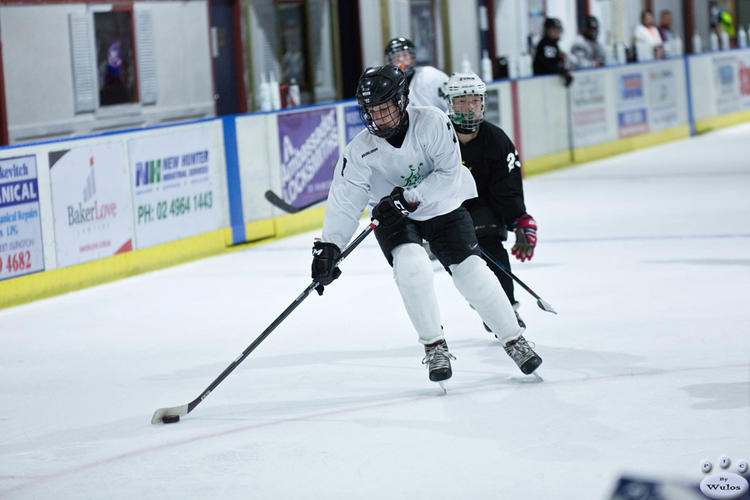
493	161
425	82
407	168
549	59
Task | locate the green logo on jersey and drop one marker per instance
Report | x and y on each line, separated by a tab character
415	177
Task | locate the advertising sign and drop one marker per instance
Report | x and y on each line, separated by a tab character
309	151
90	203
21	250
587	101
171	179
662	93
725	82
352	122
632	118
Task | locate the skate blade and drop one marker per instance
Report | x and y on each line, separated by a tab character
443	387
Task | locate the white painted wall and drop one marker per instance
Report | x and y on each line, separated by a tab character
39	80
37	64
183	59
702	22
371	38
511	27
463	23
399	19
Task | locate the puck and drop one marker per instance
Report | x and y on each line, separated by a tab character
170	419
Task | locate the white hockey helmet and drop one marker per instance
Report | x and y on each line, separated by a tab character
465	84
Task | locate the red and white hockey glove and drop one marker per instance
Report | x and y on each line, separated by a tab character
525	228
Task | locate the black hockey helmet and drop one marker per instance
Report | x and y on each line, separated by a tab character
378	85
397	45
552	22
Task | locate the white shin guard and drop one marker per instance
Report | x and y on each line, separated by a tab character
480	287
413	273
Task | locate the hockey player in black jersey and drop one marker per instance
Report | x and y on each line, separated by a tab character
549	59
493	161
406	166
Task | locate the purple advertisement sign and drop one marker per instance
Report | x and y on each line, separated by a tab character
352	121
309	150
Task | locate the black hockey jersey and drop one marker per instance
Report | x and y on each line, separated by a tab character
493	161
548	59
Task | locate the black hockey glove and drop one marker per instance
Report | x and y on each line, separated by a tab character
392	208
324	271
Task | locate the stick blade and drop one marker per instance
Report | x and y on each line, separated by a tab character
174	411
276	201
545	306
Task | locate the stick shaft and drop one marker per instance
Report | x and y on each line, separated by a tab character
516	279
300	298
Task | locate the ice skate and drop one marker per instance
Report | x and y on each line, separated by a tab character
523	355
438	361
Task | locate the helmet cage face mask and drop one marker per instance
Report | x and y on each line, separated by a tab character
395	47
395	120
378	86
463	85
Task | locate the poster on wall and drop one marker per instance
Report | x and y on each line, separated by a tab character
727	93
632	118
21	249
352	122
589	117
171	180
662	97
309	151
743	69
90	203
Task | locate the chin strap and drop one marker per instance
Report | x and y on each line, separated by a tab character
464	130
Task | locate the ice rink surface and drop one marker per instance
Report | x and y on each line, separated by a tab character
646	257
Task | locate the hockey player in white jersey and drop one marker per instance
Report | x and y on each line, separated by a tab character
407	168
425	82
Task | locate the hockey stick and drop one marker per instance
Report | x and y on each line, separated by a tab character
276	201
173	414
543	304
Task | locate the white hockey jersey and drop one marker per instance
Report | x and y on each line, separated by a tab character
427	165
423	89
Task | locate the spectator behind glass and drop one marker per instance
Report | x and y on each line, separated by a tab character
549	59
665	26
586	51
647	34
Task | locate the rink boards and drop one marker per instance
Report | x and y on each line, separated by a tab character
74	213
